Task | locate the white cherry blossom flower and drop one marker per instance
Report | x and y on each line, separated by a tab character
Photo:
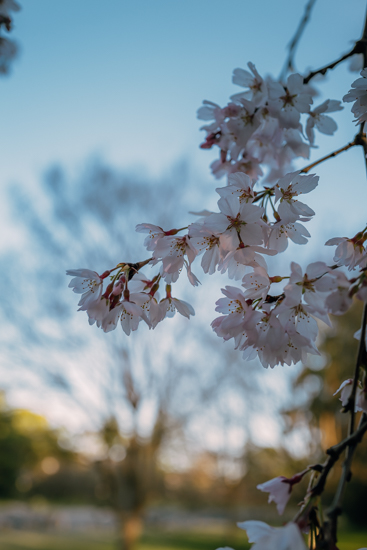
280	232
128	313
358	94
211	111
98	310
170	305
345	390
238	313
171	250
290	186
239	185
150	305
280	489
324	124
205	241
242	127
265	537
238	261
287	103
257	91
237	219
339	300
257	284
155	233
349	252
87	283
269	339
309	286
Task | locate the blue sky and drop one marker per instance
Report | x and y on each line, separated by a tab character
123	80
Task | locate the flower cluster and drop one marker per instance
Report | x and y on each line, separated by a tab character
261	126
278	329
117	303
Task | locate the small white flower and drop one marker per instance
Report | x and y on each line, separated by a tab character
322	122
345	390
280	233
349	252
287	189
87	283
287	103
273	538
257	87
358	94
279	490
170	305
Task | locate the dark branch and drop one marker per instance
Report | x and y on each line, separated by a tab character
289	63
356	141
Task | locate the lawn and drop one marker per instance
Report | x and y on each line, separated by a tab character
155	540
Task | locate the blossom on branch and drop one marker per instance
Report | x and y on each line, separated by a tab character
324	124
266	537
87	283
280	489
358	94
345	390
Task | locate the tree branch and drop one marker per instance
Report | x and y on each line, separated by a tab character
359	47
289	63
323	70
331	155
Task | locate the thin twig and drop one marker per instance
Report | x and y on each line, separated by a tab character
359	47
323	70
361	360
334	455
289	63
331	155
335	510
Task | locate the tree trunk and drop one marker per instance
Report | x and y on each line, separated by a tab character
131	527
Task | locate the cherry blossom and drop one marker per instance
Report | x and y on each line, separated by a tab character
324	123
205	241
280	232
239	185
87	283
309	286
290	186
257	92
257	284
345	390
358	94
288	103
171	251
349	252
279	492
170	305
280	489
129	314
280	538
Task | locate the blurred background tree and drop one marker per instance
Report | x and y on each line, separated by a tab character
319	411
155	400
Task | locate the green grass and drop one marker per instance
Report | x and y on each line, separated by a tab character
154	540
